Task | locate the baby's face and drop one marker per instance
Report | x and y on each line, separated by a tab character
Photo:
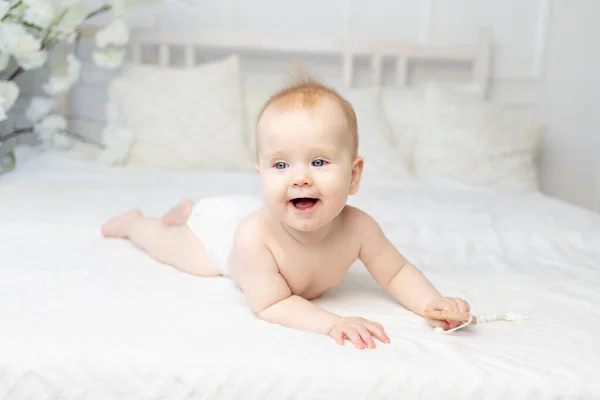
306	164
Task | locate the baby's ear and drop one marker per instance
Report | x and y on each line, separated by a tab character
357	169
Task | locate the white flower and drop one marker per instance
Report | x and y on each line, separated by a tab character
75	16
32	60
116	34
69	3
63	77
17	8
10	34
9	91
109	59
4	6
62	141
25	47
118	142
39	12
50	125
39	107
4	59
26	44
123	7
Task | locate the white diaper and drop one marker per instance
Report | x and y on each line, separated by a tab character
215	219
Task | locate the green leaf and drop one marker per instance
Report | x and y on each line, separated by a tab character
7	162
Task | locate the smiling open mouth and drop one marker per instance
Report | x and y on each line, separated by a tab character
304	203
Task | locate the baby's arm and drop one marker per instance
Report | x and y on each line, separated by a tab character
268	293
272	300
399	277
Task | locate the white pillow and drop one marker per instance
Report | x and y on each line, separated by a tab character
377	144
476	142
257	89
178	119
404	107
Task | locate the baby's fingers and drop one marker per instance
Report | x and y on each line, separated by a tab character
439	324
462	305
365	336
338	335
448	304
377	331
354	337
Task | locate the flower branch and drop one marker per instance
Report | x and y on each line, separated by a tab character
29	31
15	74
16	132
65	132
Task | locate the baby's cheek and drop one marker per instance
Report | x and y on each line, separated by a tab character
341	183
273	188
337	192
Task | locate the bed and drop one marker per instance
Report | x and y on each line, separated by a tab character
84	317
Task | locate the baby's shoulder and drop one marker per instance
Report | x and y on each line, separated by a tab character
251	230
356	218
250	251
360	224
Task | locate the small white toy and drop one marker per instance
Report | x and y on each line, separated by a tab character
469	319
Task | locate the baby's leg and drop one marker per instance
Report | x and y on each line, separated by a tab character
175	245
179	214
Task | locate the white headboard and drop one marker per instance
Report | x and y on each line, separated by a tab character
477	54
355	62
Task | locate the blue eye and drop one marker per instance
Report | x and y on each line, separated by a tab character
280	165
318	163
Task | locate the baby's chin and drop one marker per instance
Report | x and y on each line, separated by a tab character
303	226
307	225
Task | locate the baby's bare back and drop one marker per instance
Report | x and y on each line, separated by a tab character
310	268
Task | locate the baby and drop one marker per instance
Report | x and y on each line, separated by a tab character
301	238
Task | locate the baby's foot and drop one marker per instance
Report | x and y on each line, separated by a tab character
116	227
179	214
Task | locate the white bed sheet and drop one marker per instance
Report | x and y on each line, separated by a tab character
86	318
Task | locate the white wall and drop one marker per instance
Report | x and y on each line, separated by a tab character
543	58
519	27
570	103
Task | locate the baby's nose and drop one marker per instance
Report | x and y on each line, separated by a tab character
302	178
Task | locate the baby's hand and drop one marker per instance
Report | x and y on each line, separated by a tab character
449	304
359	331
